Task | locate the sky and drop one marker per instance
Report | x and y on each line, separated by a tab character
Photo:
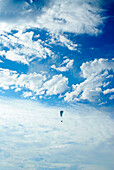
56	55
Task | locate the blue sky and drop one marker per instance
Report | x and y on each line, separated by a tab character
53	55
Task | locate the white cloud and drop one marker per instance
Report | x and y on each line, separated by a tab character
95	73
92	167
65	66
106	84
64	41
27	94
1	61
56	85
32	81
108	91
111	97
7	78
110	76
57	16
23	49
95	67
37	134
2	52
72	16
11	79
14	56
38	84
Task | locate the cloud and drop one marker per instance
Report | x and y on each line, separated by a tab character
57	16
12	10
22	48
34	133
27	94
95	74
57	85
7	78
36	83
72	16
65	66
63	41
1	61
111	97
32	81
108	91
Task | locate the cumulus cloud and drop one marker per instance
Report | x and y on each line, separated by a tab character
7	78
56	85
38	84
32	81
95	74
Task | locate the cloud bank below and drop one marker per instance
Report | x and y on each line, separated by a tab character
34	133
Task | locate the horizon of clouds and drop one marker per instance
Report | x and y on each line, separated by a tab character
81	134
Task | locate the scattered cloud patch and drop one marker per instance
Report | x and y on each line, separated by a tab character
38	84
22	48
108	91
57	85
95	74
7	78
63	41
1	61
27	94
111	97
65	66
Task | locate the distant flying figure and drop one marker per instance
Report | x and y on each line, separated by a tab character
61	113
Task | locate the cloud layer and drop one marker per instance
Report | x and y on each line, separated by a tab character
34	133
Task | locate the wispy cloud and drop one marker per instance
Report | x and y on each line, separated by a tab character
21	47
65	66
57	16
72	16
